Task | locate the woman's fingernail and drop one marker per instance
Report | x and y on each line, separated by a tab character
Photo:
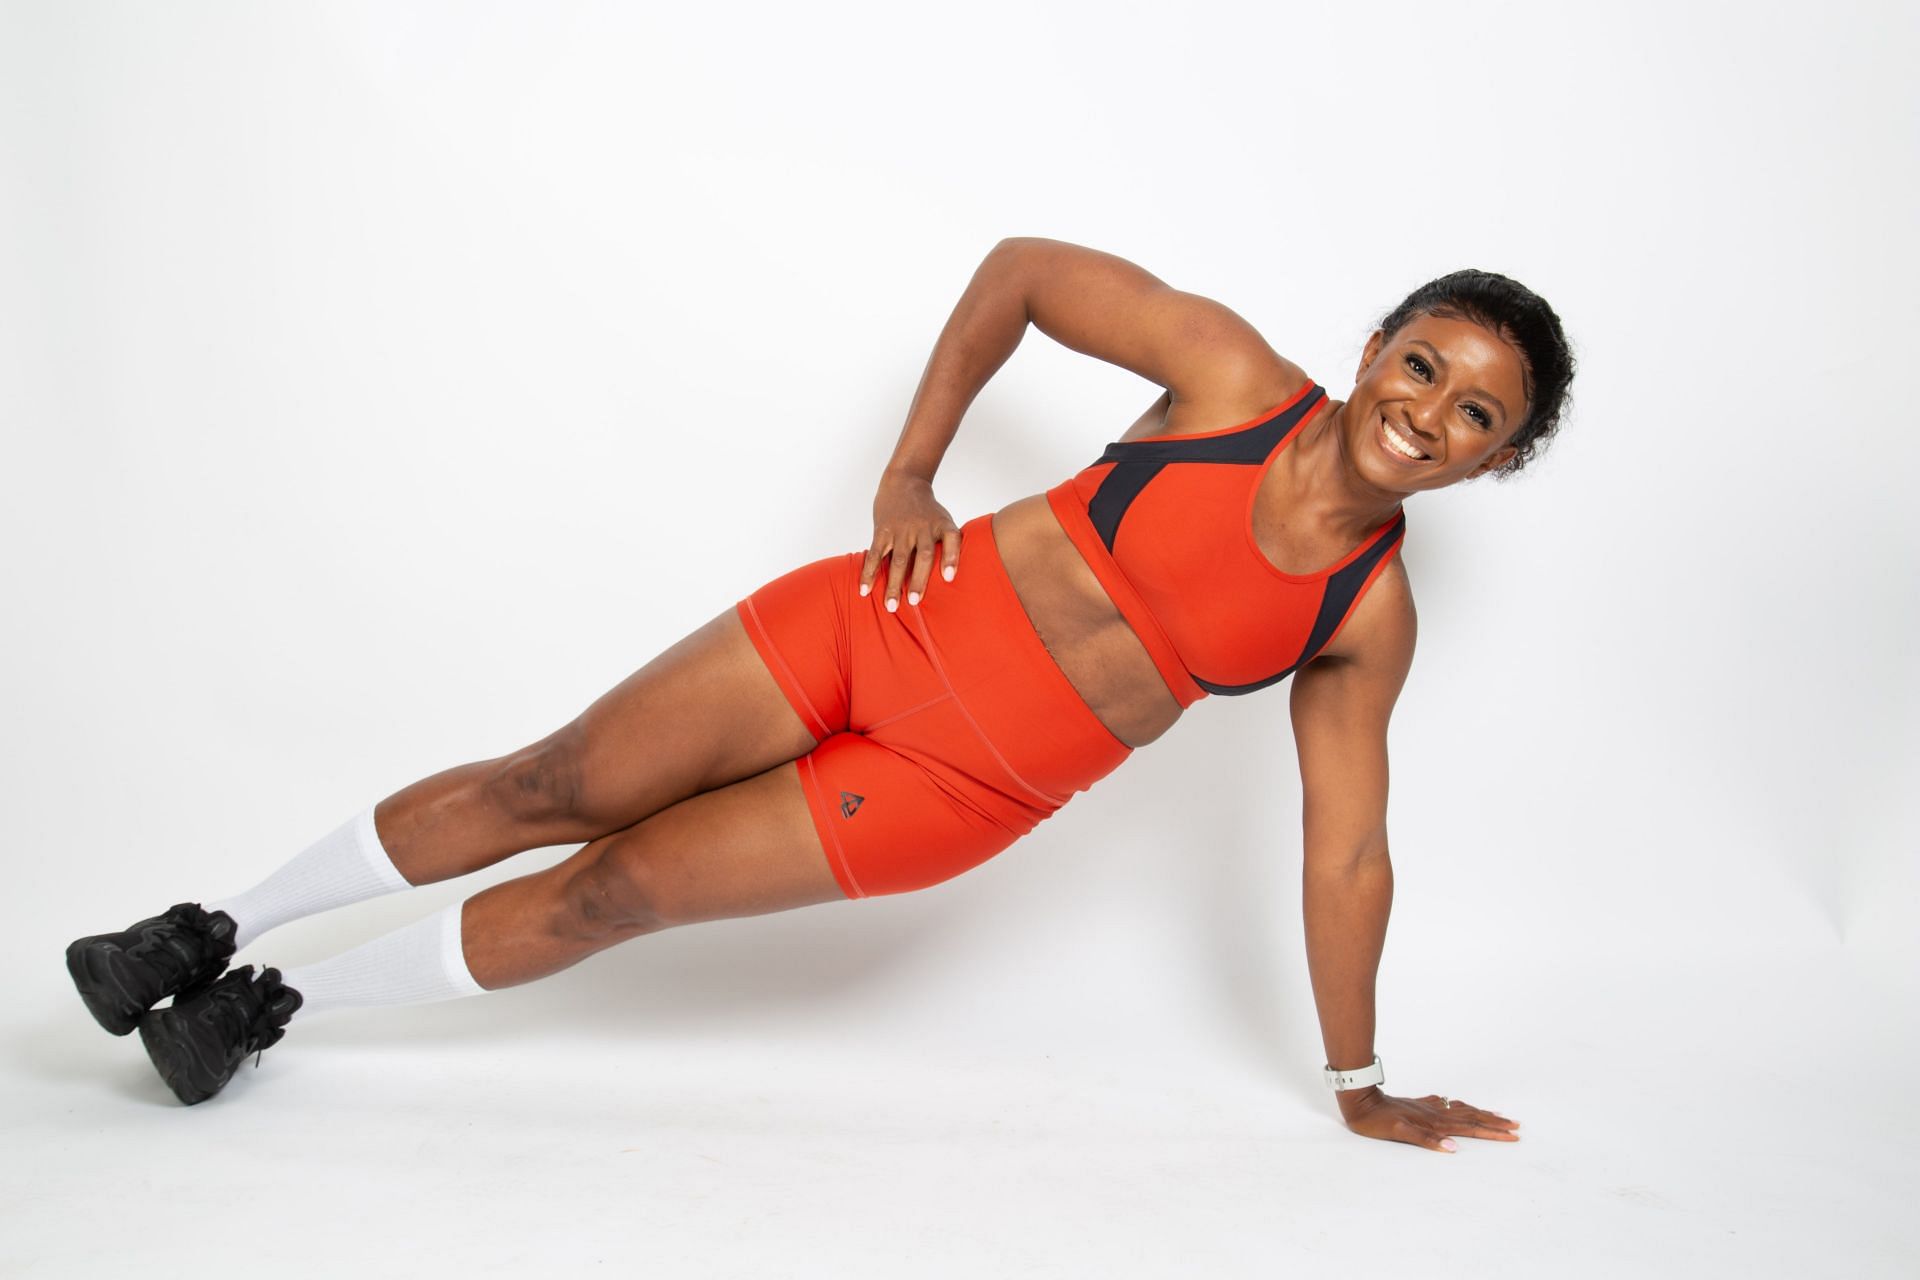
865	587
947	573
1447	1143
893	606
913	597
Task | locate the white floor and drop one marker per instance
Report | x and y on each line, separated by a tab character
1746	1118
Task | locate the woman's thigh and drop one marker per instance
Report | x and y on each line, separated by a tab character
703	714
744	849
851	818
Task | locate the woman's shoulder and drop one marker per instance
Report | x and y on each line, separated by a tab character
1383	626
1256	380
1241	388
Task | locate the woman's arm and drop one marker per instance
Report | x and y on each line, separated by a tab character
1093	302
1341	703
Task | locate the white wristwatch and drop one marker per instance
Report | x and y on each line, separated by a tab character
1357	1078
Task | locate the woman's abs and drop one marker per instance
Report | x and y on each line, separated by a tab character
1095	648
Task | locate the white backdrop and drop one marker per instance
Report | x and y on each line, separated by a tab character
379	383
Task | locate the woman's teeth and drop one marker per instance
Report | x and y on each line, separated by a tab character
1400	443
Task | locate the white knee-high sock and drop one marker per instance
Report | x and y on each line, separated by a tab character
346	865
412	965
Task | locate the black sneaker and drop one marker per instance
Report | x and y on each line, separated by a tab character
198	1042
122	975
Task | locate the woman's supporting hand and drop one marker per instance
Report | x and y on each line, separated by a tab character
910	524
1425	1122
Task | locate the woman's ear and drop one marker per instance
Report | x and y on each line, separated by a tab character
1369	352
1495	460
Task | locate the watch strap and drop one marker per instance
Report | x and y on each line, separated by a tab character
1357	1078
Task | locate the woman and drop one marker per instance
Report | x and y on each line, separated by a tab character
863	725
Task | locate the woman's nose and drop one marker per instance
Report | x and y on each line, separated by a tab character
1424	416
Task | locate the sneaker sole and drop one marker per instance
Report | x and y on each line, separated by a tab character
171	1049
102	987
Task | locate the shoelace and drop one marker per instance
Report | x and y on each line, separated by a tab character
263	1025
243	1006
153	947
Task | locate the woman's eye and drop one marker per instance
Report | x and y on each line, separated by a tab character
1474	411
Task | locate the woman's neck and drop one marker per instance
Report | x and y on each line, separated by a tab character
1324	485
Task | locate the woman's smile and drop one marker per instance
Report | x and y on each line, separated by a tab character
1398	446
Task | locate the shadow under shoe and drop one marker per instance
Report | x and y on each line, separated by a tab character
198	1042
122	975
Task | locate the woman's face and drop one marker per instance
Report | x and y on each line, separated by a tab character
1451	391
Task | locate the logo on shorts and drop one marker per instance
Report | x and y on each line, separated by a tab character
849	803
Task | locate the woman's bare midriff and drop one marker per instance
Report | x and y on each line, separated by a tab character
1080	625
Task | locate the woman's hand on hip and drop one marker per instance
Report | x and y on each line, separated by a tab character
1425	1122
910	525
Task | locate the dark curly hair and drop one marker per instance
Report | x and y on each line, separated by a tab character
1523	318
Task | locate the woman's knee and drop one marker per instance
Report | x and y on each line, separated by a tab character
542	783
616	893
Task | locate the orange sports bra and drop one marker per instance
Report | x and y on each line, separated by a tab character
1166	523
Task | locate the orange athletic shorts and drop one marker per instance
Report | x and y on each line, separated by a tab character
945	731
